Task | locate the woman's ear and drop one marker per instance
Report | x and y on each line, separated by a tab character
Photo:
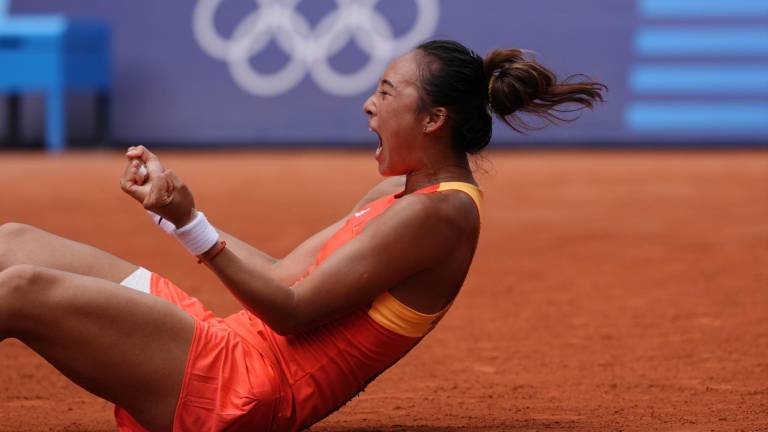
435	120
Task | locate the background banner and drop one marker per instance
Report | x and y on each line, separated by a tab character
245	72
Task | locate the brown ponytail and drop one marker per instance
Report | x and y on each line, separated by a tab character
457	78
517	84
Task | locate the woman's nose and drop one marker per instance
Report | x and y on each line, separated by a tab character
368	107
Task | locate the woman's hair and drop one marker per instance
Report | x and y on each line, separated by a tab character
505	82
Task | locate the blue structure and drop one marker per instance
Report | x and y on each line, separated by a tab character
54	55
701	70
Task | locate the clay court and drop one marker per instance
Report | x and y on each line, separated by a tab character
610	291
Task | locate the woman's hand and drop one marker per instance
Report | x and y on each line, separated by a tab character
160	191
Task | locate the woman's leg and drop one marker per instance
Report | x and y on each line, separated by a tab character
24	244
127	347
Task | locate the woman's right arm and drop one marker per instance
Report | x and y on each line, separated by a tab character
167	187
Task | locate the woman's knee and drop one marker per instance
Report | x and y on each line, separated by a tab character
14	288
14	230
11	235
16	278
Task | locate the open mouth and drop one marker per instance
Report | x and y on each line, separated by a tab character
379	147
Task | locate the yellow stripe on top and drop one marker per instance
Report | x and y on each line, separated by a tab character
473	191
392	314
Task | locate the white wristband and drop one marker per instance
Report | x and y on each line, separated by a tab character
197	236
163	223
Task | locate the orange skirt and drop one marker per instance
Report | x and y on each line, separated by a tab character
228	384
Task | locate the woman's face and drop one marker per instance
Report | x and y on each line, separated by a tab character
393	114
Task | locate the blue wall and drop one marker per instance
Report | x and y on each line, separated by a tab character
687	72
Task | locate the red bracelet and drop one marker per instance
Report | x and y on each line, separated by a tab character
212	253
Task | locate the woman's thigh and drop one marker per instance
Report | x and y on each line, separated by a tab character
124	346
25	244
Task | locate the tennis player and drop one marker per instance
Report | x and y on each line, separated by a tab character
317	325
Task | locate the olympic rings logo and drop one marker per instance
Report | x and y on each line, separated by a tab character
309	49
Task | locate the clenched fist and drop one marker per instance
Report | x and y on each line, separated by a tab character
160	190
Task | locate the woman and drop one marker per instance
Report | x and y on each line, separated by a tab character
317	325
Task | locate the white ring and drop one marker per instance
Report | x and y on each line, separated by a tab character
309	49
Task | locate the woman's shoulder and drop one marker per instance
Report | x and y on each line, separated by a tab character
451	214
447	209
450	208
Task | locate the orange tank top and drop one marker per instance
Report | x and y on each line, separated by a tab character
324	367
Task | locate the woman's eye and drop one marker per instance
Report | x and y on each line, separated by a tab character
383	93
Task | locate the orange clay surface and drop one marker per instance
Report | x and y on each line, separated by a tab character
611	290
